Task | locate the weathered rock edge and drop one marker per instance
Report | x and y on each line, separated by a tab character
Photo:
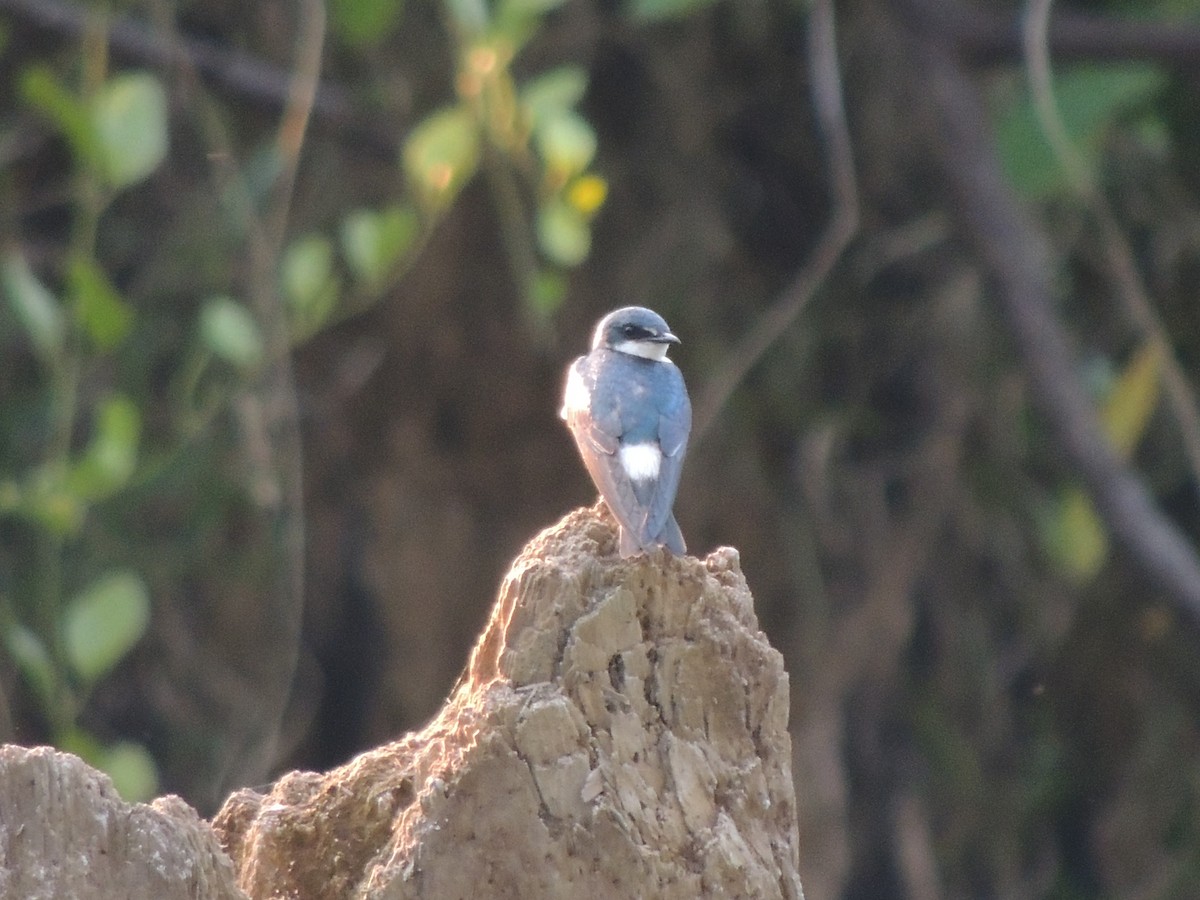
65	833
620	731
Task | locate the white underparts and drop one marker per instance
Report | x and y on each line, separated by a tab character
641	461
645	349
575	397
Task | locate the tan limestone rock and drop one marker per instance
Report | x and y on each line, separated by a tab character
620	731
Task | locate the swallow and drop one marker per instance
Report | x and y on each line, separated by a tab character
627	407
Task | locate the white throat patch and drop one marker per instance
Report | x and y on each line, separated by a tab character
641	461
645	349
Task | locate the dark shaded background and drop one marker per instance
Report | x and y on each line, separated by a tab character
968	719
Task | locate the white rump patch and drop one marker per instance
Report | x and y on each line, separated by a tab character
575	397
645	349
641	461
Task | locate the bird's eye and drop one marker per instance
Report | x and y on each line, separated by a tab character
629	330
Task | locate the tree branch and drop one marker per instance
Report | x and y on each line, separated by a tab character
986	38
1016	258
843	223
231	71
1117	253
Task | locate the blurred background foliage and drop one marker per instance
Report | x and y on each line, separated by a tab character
288	290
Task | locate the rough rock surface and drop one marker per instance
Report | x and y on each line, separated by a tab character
65	833
620	731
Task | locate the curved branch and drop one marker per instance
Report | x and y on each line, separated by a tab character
266	408
843	225
293	124
985	37
1127	280
1016	258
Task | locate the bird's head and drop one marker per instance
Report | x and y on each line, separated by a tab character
635	330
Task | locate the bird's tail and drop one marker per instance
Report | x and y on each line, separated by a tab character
630	545
671	537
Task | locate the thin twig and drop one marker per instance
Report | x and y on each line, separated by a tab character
1116	250
267	410
843	224
301	96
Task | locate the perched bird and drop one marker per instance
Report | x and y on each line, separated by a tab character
628	410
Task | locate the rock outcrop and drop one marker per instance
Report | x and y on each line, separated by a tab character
620	731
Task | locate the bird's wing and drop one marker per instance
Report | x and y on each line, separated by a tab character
675	419
674	426
617	490
658	511
595	422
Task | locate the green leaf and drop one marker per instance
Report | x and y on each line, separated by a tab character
553	93
129	113
1089	98
365	23
103	623
549	292
229	331
566	142
47	499
563	234
83	744
442	154
656	10
111	455
100	311
35	307
373	242
45	92
132	769
307	267
309	285
130	766
1074	536
31	657
1132	400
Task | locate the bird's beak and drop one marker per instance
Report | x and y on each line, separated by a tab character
665	338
